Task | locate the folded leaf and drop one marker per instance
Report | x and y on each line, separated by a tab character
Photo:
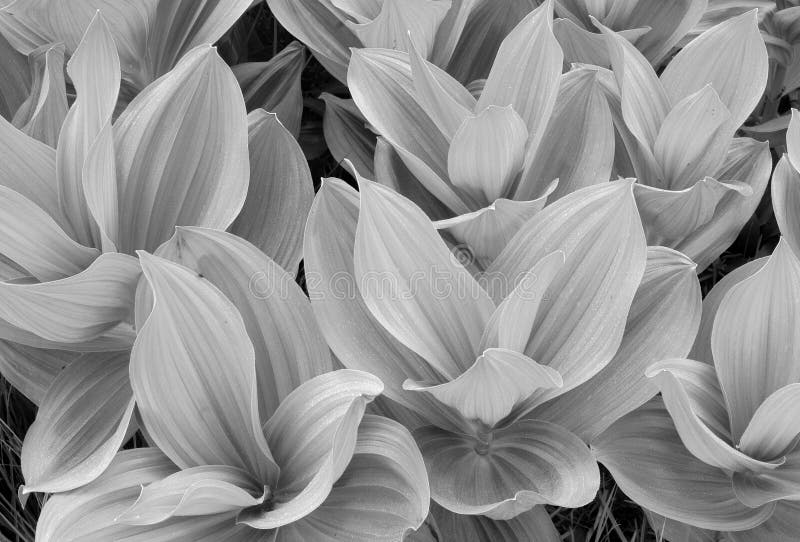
313	435
685	489
487	232
527	463
182	25
74	309
275	85
774	426
578	145
34	241
695	402
347	135
668	22
534	524
451	29
182	152
89	513
382	87
43	112
401	23
693	138
512	322
672	216
31	370
15	79
353	334
731	57
786	201
755	489
95	71
496	383
754	338
82	422
662	323
194	378
526	72
599	231
198	491
289	348
412	285
793	139
382	494
644	102
280	192
99	184
748	161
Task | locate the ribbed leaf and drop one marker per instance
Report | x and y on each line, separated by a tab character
786	201
347	135
662	323
313	436
42	113
31	370
280	192
686	489
520	466
194	378
81	423
289	348
533	525
182	152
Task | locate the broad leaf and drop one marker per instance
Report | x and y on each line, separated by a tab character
347	135
42	113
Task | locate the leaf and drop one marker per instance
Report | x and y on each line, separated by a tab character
182	152
486	232
662	323
451	29
353	334
672	216
526	72
182	25
424	298
780	527
42	113
313	436
668	22
701	350
347	135
489	390
793	140
382	87
279	195
275	85
487	153
512	322
198	491
754	336
82	422
774	426
693	138
578	145
686	489
99	183
534	524
527	463
748	161
15	79
403	23
74	309
695	402
194	379
645	104
88	514
731	57
579	325
289	348
29	167
34	241
383	492
786	201
95	71
447	109
31	370
316	24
